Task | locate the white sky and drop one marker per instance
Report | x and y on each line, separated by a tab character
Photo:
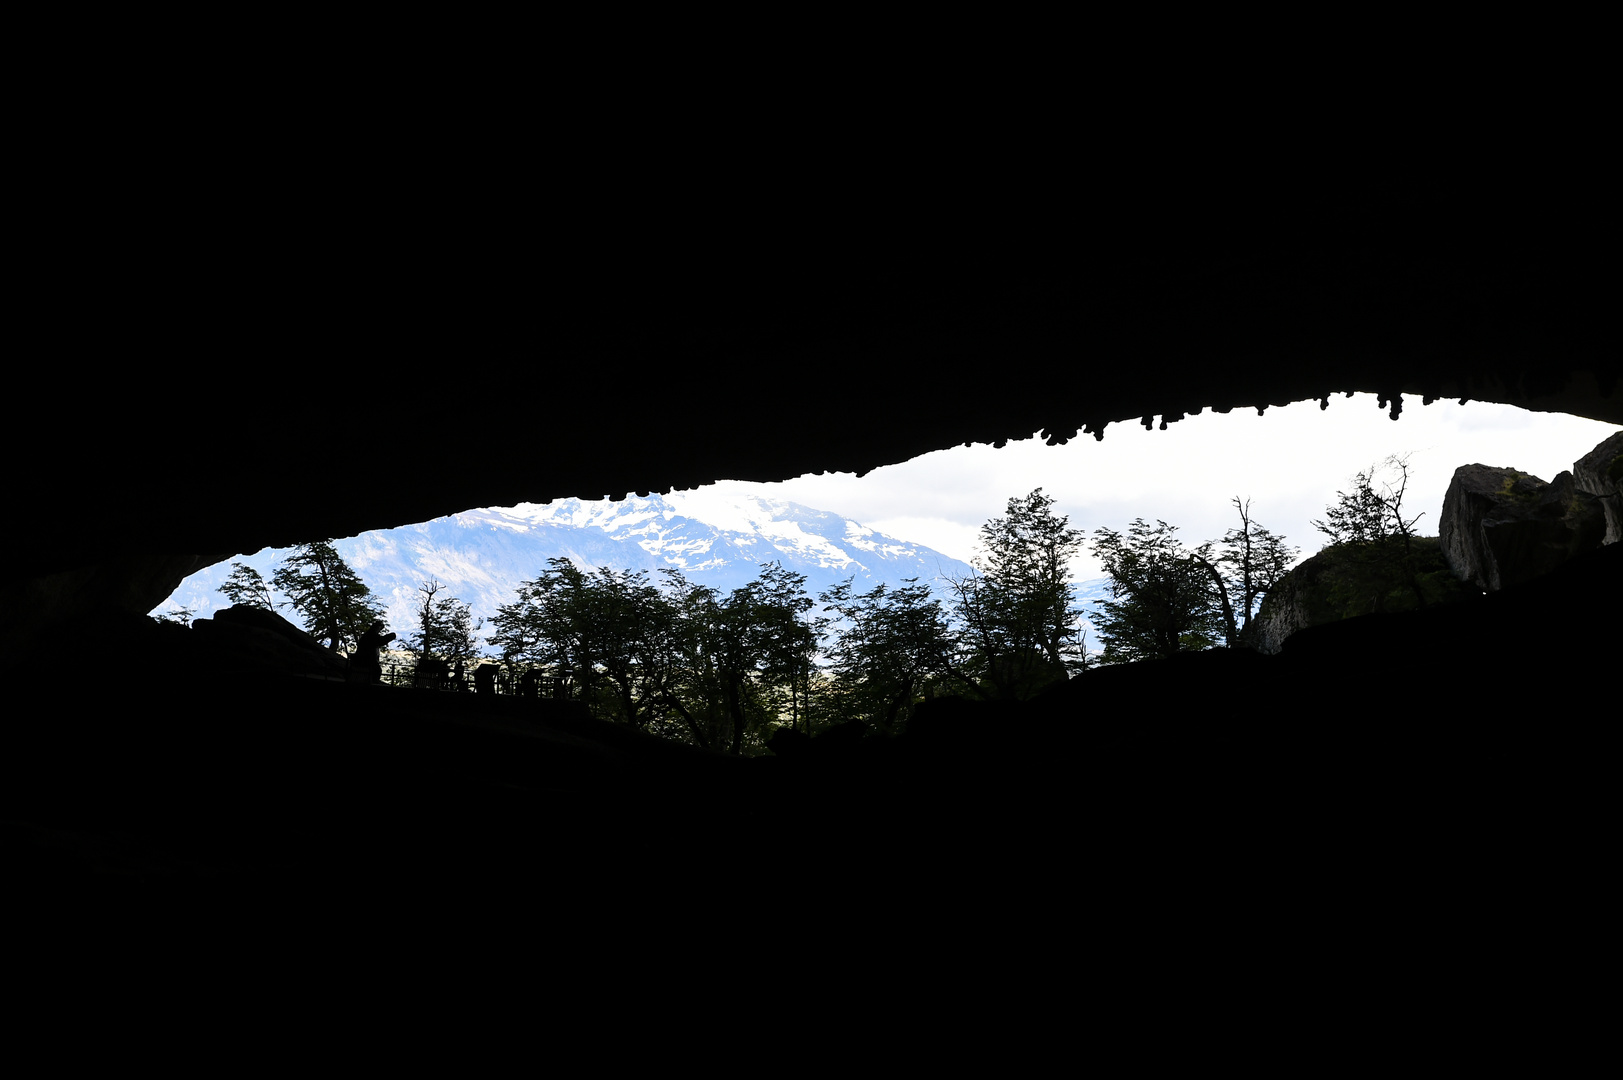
1290	463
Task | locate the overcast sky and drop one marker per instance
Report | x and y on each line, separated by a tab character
1289	462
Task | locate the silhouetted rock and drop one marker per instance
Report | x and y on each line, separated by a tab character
1377	745
786	742
1347	580
254	638
954	727
1501	525
1152	303
1600	473
835	746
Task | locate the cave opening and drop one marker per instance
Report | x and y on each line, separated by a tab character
1290	463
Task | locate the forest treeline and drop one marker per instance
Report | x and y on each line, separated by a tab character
726	670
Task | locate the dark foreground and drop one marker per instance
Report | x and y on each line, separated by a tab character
1413	768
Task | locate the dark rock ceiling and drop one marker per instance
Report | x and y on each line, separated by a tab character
317	378
274	348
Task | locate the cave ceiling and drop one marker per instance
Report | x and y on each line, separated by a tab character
325	397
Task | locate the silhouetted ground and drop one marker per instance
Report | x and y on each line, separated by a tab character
1399	771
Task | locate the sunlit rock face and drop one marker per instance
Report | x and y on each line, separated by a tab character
1500	526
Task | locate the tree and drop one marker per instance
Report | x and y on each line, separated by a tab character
1018	627
333	602
445	627
1165	598
180	615
245	588
619	620
1358	517
1255	560
1404	527
688	677
1376	526
887	645
682	661
532	630
591	631
1364	516
786	636
737	648
739	662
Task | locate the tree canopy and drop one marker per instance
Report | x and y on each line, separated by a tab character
1253	560
590	631
1168	598
331	600
445	627
246	588
1017	627
1374	529
678	659
888	644
1163	599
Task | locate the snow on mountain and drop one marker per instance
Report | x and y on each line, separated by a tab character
713	538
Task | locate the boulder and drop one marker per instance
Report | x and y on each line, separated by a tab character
242	637
1500	526
1600	473
1351	579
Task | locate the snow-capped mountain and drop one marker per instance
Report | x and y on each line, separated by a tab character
713	538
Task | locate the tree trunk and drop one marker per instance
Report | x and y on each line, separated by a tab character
1231	631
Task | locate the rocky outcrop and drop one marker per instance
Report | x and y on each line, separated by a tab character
1346	580
1500	526
71	599
249	638
1600	473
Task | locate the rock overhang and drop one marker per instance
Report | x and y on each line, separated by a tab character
324	428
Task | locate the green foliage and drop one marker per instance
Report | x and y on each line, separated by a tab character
1357	517
245	588
330	599
1019	630
786	638
445	628
1165	597
680	660
1347	580
740	662
888	646
1363	516
1374	530
693	671
590	631
1254	560
1168	598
